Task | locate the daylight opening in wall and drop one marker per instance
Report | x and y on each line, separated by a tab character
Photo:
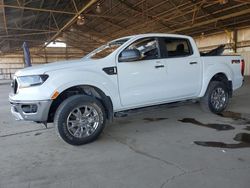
56	44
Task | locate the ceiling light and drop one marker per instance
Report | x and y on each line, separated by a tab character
202	35
80	20
72	29
223	2
98	8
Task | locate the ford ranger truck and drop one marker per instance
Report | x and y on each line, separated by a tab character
79	96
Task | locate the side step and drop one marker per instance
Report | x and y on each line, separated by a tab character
126	113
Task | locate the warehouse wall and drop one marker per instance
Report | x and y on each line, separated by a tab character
10	63
208	42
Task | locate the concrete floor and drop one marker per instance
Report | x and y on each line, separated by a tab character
150	148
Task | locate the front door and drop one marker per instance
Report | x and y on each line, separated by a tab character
141	82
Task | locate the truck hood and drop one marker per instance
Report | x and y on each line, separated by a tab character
41	69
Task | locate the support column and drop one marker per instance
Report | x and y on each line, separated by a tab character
235	40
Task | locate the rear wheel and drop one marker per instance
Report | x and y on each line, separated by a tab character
216	97
80	119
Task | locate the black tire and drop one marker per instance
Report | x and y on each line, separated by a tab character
66	111
207	101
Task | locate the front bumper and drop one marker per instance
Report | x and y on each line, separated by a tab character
40	114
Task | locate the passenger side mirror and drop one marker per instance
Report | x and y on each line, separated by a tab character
130	55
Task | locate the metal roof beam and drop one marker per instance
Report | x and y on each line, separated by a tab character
105	12
178	10
37	15
246	11
25	29
205	16
212	30
142	11
27	34
169	14
168	17
104	16
36	9
4	18
71	21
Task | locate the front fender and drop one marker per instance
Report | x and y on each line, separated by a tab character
106	83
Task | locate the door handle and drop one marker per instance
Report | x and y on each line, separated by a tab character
192	63
159	66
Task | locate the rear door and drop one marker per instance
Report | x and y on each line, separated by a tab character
183	66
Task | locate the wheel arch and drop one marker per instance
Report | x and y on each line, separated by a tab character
88	90
221	77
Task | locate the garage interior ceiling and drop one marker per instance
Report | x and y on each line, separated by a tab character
40	21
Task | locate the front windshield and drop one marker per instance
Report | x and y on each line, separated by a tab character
106	49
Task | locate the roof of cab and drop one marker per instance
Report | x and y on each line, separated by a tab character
154	35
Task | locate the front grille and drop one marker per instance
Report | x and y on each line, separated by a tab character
14	86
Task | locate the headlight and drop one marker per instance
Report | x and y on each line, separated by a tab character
34	80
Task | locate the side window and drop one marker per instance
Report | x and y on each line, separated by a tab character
177	47
148	48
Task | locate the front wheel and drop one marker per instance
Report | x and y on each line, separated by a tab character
216	97
80	119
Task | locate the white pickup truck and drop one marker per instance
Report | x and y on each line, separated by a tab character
127	73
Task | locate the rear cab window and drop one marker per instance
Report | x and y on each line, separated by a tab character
175	47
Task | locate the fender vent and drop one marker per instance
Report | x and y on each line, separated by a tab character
110	70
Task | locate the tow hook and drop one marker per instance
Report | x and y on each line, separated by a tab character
45	124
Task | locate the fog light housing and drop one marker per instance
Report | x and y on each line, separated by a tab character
29	108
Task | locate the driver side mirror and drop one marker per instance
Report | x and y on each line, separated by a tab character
130	55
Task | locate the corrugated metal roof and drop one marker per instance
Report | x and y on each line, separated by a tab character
39	21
